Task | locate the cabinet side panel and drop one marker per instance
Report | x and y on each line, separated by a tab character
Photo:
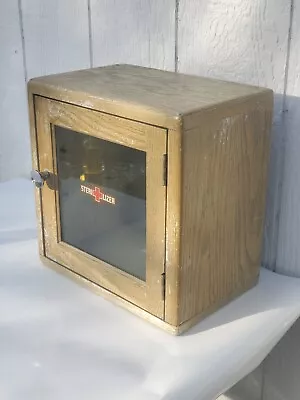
225	161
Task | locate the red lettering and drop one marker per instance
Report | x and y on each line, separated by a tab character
97	194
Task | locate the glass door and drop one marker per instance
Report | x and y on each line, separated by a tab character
102	199
104	203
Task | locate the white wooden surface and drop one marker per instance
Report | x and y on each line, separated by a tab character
138	32
288	260
283	365
236	40
14	132
56	36
239	40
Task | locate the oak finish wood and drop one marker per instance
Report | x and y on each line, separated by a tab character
143	94
119	301
224	175
145	294
207	224
173	226
117	130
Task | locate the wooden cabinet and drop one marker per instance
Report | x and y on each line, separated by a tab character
151	186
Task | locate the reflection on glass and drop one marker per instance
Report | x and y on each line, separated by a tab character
102	197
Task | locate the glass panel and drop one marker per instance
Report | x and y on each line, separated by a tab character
102	198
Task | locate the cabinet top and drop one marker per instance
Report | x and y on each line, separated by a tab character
137	92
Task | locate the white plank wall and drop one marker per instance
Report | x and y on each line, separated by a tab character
251	41
288	260
14	136
138	32
56	36
282	367
236	40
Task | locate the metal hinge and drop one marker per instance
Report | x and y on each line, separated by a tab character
165	169
163	285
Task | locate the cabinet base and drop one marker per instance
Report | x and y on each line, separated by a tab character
174	330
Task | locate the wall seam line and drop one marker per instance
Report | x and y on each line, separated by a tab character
284	128
91	54
288	53
284	110
176	34
21	23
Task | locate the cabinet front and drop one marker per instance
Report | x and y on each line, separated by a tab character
103	200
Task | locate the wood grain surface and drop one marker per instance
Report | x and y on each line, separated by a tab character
210	247
224	174
119	301
117	130
147	295
173	225
242	39
148	95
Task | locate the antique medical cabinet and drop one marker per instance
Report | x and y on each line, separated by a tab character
151	186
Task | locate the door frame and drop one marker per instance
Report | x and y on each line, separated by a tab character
151	139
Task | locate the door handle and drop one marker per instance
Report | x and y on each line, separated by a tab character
39	177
